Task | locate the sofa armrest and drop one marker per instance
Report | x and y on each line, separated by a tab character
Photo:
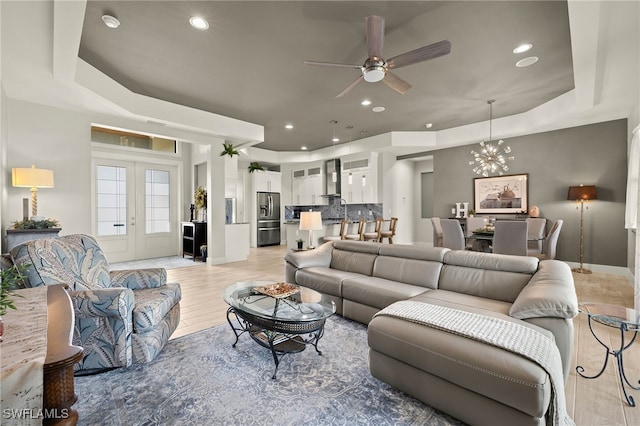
549	293
136	279
295	260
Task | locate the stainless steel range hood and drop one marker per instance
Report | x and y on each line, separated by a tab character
332	178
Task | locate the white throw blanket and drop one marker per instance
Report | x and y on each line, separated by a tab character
507	335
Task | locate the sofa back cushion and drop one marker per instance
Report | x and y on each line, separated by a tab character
354	256
494	276
410	264
75	260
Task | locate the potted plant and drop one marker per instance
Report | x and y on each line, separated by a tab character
10	279
255	166
203	252
471	213
36	224
200	200
300	241
228	150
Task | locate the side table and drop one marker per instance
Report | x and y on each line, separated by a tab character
624	319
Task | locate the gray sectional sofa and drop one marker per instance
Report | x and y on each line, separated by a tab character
470	379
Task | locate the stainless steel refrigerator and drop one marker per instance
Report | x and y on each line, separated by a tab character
268	204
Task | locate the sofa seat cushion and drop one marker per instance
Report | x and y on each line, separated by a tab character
324	280
378	292
153	304
479	367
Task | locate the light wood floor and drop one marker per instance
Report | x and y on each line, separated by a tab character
597	402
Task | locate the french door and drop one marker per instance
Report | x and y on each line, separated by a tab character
135	209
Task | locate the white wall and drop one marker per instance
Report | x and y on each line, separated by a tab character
398	195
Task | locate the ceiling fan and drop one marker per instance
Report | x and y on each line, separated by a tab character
375	68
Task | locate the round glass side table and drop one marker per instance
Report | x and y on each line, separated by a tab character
624	319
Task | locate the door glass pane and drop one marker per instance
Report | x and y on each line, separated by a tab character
111	191
157	201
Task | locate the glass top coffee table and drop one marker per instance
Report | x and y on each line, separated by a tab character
284	318
624	319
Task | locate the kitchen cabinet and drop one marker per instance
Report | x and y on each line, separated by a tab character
361	188
266	181
307	186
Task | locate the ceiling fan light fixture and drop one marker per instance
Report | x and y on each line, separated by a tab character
374	74
110	21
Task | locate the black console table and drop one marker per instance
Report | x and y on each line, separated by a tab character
194	234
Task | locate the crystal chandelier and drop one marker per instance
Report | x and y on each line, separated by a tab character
492	157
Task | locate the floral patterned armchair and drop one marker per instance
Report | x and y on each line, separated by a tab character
121	317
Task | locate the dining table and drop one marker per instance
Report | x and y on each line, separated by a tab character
483	239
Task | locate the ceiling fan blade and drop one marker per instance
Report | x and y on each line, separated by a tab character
331	64
351	86
396	83
421	54
375	35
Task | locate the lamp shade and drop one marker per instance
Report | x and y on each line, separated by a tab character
310	221
582	192
32	178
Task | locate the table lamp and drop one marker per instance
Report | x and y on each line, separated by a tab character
581	194
32	178
310	221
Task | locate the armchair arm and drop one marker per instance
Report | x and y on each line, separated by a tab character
103	327
549	293
136	279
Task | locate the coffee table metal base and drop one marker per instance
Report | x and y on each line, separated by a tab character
279	337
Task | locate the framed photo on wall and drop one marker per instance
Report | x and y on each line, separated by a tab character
501	194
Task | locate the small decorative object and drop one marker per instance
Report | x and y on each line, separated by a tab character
10	279
200	200
300	241
228	150
534	211
278	290
192	208
203	252
471	213
255	166
492	158
36	224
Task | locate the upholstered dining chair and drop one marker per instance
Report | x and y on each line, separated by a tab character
550	241
391	232
358	235
452	236
343	231
535	234
437	232
375	234
510	237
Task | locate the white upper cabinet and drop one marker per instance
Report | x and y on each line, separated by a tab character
358	182
266	181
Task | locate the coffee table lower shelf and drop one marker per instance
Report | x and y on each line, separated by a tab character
279	337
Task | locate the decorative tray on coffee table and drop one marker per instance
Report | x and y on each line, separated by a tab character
277	290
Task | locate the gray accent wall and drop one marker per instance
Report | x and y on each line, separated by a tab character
592	155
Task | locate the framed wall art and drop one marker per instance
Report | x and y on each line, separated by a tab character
501	194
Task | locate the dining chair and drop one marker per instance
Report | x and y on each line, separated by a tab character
358	235
343	230
375	234
550	241
452	236
391	232
535	234
437	232
510	237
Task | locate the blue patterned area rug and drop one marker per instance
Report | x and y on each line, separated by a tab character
199	379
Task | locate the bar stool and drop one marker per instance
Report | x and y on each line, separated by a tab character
343	230
391	232
357	236
375	235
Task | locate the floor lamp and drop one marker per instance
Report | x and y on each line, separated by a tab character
310	221
581	194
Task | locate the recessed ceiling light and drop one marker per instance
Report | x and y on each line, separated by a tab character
304	148
365	102
378	109
428	125
335	139
527	61
110	21
288	126
198	23
523	48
